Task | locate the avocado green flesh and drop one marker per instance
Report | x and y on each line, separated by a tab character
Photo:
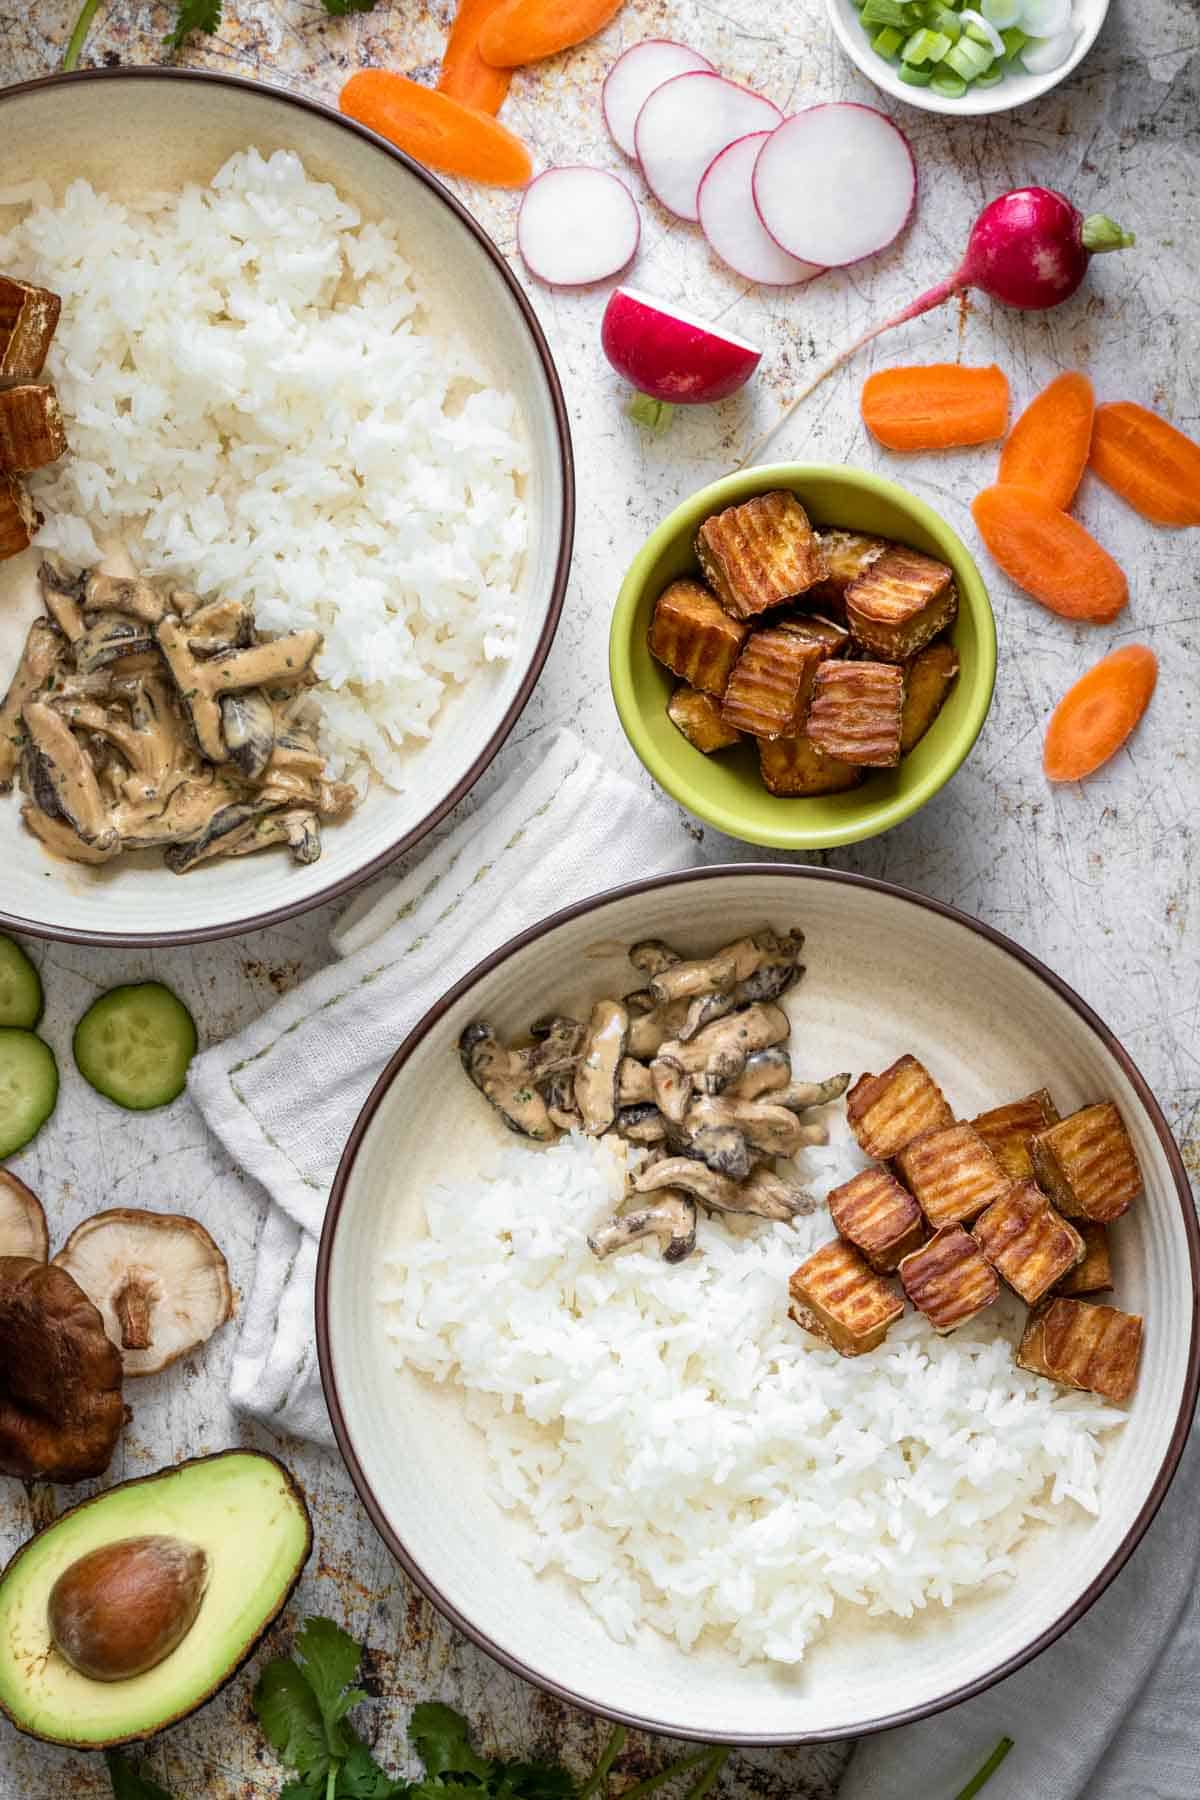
242	1509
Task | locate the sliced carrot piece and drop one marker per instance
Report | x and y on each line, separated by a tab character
1094	718
524	31
436	129
463	73
1048	446
1148	462
1049	554
935	407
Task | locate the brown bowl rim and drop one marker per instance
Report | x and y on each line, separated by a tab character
646	1722
562	568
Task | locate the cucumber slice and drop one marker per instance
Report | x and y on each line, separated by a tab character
134	1044
28	1087
20	987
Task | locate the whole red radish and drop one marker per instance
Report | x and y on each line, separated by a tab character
1028	249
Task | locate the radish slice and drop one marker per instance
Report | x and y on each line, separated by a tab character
634	77
733	228
670	354
577	225
1040	55
835	183
684	124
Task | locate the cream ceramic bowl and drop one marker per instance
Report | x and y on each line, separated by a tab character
1014	90
131	129
887	972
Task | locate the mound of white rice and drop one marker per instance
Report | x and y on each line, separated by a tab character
688	1455
259	404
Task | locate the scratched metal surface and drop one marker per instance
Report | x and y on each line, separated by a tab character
1100	881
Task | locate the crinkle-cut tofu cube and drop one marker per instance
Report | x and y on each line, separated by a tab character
1008	1131
927	682
851	1304
794	766
855	712
1094	1275
949	1279
899	602
1087	1164
695	637
1027	1242
847	554
769	689
760	554
878	1217
20	519
952	1174
1082	1345
698	717
815	630
887	1111
32	433
28	320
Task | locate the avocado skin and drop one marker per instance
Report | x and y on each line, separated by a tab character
242	1656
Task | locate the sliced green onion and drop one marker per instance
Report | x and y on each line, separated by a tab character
968	59
925	46
976	26
886	12
887	41
950	87
915	77
1001	13
1014	41
990	77
947	22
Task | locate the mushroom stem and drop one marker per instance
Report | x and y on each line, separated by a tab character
132	1307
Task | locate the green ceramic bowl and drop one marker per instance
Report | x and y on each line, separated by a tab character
725	789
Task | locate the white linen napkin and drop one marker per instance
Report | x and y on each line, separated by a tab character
283	1094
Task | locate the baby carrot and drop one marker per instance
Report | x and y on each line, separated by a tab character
1047	448
1094	718
463	73
436	129
935	407
524	31
1049	554
1150	464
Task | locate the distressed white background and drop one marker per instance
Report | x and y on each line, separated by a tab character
1100	881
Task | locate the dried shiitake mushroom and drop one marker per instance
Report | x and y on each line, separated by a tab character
22	1222
61	1410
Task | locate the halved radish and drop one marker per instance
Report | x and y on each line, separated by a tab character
670	354
733	228
634	77
835	183
577	225
688	121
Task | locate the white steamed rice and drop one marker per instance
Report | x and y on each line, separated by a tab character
693	1460
258	404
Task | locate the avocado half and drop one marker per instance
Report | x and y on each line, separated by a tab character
243	1508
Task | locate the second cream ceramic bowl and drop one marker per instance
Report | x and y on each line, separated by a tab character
725	789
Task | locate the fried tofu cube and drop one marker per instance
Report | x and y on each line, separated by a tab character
1008	1131
20	519
794	766
949	1279
32	433
769	689
899	602
888	1111
952	1174
695	637
1094	1275
849	1302
1087	1164
855	712
698	716
1027	1242
847	554
28	321
879	1217
927	682
760	554
1082	1345
816	630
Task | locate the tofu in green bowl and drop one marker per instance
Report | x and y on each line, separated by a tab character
802	655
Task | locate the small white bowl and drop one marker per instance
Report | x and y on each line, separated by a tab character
887	971
1014	90
132	130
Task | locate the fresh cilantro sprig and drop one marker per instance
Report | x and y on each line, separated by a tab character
192	15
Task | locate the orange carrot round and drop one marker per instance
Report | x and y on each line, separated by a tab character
1094	718
935	407
436	129
1148	462
1049	554
524	31
1048	446
463	73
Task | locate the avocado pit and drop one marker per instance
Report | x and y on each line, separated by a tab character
124	1607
